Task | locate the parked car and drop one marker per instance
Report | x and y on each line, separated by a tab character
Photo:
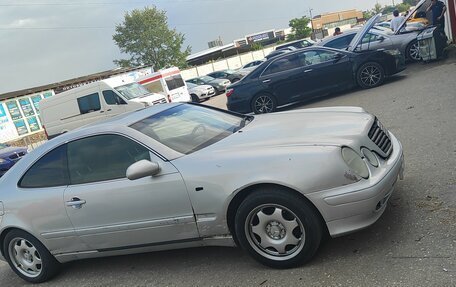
169	177
376	39
279	52
218	84
200	92
9	156
302	43
231	75
246	69
312	72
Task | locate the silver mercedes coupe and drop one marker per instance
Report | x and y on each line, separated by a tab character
184	175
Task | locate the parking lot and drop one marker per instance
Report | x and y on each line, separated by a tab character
413	243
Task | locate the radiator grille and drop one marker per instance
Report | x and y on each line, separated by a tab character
379	135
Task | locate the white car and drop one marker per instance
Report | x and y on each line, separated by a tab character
200	92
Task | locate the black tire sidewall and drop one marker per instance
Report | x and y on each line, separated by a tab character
302	209
363	66
274	103
195	98
50	266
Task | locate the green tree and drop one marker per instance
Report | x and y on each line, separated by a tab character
299	28
410	2
146	37
403	7
256	46
377	8
367	15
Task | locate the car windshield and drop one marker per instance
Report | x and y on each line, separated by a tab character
206	78
2	146
132	91
188	128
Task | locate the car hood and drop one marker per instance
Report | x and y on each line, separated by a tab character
218	81
410	14
334	126
363	31
6	152
149	98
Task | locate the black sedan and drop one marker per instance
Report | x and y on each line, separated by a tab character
307	73
311	72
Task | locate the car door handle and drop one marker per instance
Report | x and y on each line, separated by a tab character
108	110
76	203
267	81
307	71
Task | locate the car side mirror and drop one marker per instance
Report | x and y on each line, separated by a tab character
142	168
381	38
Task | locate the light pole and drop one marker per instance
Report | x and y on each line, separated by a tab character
311	23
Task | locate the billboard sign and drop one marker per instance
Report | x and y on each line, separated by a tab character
268	35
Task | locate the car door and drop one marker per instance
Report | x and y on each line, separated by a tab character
374	41
325	71
284	79
111	212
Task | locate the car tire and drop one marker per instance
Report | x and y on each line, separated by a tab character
263	104
195	98
412	51
370	75
28	257
278	228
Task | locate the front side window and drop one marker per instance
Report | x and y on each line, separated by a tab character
369	37
88	104
112	98
317	57
103	157
188	128
50	170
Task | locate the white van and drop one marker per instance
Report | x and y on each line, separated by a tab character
167	82
92	102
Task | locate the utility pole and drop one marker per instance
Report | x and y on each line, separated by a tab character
311	23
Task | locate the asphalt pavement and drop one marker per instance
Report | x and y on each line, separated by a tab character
413	243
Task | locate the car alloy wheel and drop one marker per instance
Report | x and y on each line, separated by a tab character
263	104
278	227
25	257
413	51
275	231
28	257
370	75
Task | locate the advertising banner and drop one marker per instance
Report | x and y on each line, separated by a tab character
26	107
35	100
13	109
7	129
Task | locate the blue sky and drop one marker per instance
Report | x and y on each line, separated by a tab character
45	41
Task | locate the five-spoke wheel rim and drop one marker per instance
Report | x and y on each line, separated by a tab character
414	52
264	104
275	232
25	257
371	75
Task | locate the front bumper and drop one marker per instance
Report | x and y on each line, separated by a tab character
359	205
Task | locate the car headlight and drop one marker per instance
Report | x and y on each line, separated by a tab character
355	162
146	104
2	161
370	156
394	52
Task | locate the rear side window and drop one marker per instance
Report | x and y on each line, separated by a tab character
284	64
88	104
50	170
174	82
103	157
112	98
